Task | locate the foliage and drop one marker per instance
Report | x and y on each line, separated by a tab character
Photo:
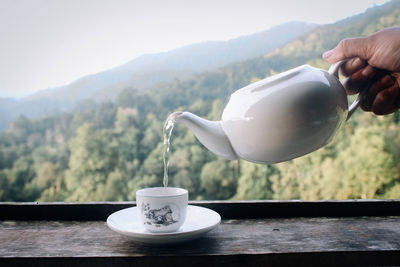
108	151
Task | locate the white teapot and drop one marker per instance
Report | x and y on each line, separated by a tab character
279	118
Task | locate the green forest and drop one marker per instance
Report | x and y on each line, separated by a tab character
106	151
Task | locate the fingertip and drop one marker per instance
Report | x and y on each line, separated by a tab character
352	66
365	107
357	63
385	100
368	71
349	86
348	48
327	55
332	56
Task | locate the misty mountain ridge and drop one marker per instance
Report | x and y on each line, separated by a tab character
150	69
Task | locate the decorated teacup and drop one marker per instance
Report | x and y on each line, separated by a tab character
162	209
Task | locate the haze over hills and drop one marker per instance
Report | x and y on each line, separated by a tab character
147	70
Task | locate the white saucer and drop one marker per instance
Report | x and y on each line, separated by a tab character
199	221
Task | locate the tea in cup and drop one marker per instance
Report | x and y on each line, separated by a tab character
162	209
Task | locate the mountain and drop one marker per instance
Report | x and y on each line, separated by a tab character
148	70
213	54
307	49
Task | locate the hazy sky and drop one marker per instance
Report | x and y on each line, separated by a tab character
47	43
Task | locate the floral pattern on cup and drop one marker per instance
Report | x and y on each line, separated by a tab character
164	216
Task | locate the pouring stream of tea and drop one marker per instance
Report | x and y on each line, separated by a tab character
167	131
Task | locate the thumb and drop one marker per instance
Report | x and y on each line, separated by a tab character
348	48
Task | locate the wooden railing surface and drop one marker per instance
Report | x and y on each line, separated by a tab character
252	233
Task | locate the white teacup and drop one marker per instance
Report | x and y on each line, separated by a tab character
162	209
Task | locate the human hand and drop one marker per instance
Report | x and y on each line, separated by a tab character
374	61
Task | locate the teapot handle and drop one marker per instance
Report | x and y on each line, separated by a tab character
334	70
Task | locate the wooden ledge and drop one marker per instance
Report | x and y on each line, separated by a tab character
252	233
227	209
320	241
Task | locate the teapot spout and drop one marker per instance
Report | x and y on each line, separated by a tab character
209	133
